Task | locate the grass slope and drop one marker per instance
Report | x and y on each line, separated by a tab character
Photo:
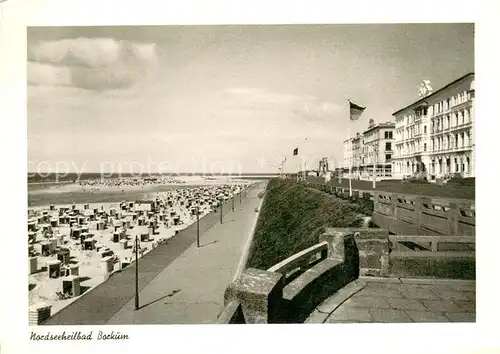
292	218
463	190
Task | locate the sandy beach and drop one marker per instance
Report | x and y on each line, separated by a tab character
83	244
45	194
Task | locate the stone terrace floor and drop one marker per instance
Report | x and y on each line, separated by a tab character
398	300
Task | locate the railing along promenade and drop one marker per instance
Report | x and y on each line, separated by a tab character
289	291
412	214
436	239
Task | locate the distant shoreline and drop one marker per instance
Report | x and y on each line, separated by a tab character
93	176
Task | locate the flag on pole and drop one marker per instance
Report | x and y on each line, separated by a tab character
295	151
355	111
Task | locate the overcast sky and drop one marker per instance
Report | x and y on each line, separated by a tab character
223	98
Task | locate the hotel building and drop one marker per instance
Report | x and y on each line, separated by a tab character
352	157
378	144
372	148
434	136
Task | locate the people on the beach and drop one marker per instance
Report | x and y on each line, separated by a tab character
128	182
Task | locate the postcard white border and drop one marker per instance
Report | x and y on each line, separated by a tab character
417	338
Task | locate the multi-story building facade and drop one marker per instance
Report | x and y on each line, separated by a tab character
369	152
352	156
348	157
435	135
376	155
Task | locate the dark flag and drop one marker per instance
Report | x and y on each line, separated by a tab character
355	111
295	151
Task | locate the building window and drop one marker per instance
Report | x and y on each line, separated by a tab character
387	158
425	146
387	146
425	129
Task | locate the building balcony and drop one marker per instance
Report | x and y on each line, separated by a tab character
455	107
452	128
461	105
452	149
461	126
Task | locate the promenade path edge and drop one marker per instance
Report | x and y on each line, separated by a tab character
107	302
191	289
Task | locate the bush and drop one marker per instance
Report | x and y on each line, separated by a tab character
461	181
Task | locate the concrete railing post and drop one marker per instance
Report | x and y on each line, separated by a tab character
417	203
373	248
259	293
452	216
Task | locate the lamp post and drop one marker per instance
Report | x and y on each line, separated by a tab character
198	226
136	272
375	159
221	204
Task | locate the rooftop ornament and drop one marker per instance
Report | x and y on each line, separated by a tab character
425	89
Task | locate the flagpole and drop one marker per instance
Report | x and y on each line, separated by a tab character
349	144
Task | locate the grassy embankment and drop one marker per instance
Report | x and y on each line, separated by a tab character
463	190
292	218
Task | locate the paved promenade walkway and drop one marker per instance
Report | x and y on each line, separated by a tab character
395	300
191	289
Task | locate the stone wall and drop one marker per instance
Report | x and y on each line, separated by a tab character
268	296
411	214
406	215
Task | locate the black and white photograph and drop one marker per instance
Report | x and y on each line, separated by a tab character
251	174
307	168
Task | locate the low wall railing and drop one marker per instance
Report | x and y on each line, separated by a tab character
290	290
297	264
432	242
433	256
412	214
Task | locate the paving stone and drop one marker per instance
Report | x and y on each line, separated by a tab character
406	304
449	294
378	280
382	292
367	301
426	316
471	295
461	316
382	285
390	316
465	286
334	301
417	292
467	306
353	314
441	306
431	281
